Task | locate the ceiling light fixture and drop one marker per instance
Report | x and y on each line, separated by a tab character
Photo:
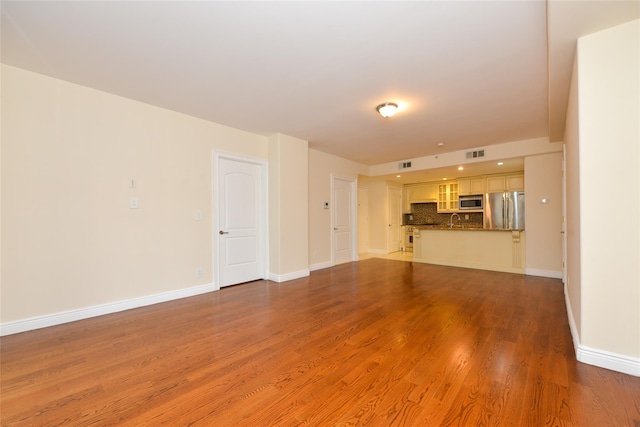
387	109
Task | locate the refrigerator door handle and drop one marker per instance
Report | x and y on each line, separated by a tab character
505	196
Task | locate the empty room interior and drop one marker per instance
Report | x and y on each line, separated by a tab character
320	213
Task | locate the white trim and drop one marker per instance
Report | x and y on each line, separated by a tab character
320	266
543	273
600	358
100	310
605	359
289	276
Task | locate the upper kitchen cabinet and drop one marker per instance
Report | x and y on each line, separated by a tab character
419	193
468	186
511	182
424	193
515	182
448	197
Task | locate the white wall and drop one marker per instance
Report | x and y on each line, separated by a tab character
608	66
69	239
543	180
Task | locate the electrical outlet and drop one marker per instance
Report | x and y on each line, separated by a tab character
199	272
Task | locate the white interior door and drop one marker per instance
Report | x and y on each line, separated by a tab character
395	218
343	219
240	231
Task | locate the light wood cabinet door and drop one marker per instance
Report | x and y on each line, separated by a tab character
470	186
478	185
495	184
515	182
424	192
448	197
406	199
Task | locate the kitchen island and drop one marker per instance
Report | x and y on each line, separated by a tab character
484	249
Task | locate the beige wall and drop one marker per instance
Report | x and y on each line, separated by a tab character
69	239
378	217
322	167
543	180
529	147
288	207
572	161
609	155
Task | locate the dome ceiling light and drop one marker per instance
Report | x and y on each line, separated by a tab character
387	109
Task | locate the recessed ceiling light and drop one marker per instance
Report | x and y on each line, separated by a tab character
500	163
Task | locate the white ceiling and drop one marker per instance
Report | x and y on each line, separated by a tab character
469	74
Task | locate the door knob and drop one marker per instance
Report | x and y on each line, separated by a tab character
223	232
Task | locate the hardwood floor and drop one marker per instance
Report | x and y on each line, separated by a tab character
375	343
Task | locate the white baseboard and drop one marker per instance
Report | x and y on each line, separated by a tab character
320	266
604	359
99	310
600	358
543	273
289	276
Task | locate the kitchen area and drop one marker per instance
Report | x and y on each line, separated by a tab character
475	222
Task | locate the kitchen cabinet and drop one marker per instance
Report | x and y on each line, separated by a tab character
448	197
420	193
406	199
424	193
468	186
495	183
506	182
515	182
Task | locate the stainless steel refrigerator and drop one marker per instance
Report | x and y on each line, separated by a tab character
504	210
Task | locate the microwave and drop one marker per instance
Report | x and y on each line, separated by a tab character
470	203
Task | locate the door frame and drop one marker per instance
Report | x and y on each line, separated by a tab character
353	183
215	205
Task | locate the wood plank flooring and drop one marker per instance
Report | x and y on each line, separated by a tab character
372	343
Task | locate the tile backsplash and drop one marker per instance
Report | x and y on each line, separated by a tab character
427	213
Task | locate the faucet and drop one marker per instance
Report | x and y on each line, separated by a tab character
451	219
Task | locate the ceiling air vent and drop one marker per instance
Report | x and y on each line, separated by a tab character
404	165
475	154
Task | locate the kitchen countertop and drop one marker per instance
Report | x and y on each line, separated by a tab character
457	228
